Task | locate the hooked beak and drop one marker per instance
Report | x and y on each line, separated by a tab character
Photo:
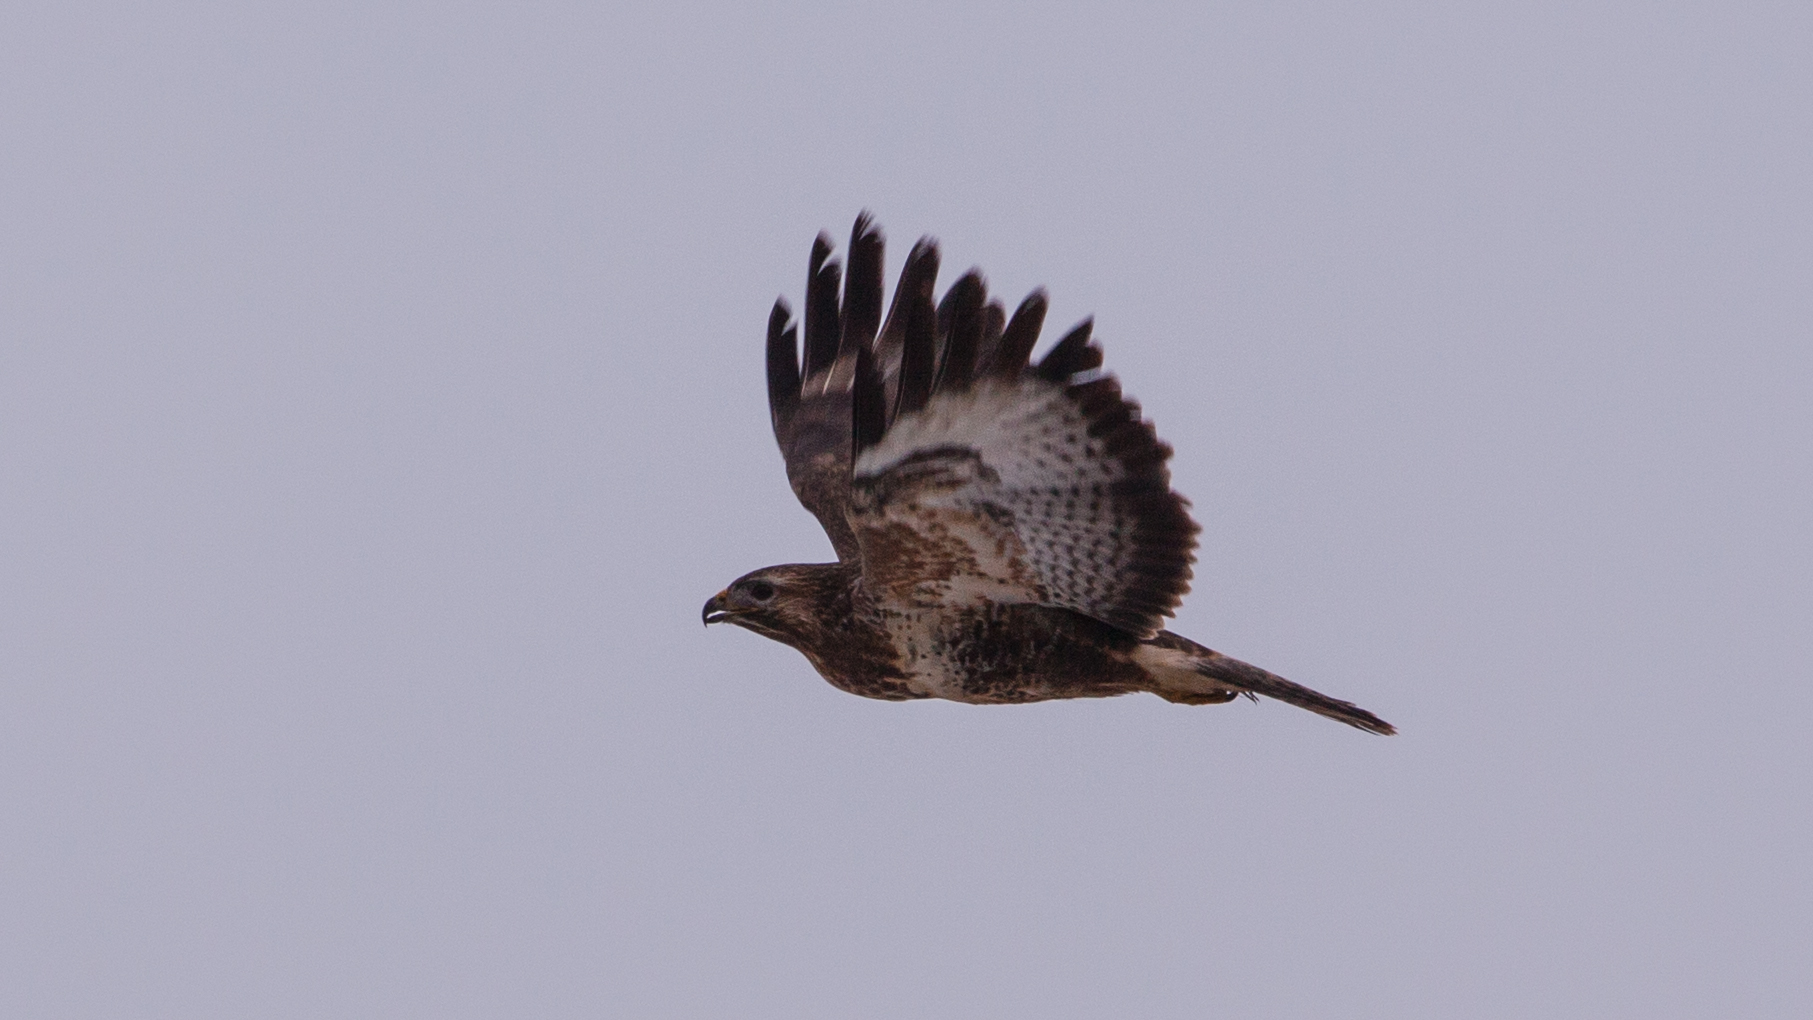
717	608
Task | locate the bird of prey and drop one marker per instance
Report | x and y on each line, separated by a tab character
1005	531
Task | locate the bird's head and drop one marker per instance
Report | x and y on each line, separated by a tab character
786	603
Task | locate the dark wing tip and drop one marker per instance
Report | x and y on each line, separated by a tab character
862	284
917	277
925	253
783	366
868	404
960	322
822	326
1022	333
994	324
920	273
919	351
1075	353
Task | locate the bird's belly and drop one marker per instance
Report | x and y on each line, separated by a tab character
1005	654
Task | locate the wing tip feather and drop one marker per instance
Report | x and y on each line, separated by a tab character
783	366
1075	353
960	324
822	319
860	315
1021	334
868	405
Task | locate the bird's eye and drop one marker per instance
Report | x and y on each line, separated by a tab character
761	591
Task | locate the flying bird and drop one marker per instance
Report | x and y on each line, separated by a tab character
1005	531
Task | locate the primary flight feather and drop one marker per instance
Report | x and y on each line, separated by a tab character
1005	531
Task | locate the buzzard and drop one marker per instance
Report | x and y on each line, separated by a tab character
1005	531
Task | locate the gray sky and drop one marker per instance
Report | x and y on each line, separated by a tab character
381	396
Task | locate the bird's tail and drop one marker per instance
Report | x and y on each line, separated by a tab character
1186	672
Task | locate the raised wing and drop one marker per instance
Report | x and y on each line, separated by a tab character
809	402
979	479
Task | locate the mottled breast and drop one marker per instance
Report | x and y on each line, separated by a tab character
995	653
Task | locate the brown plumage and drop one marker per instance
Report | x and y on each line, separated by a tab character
1005	531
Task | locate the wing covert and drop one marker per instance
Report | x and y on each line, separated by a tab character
1023	484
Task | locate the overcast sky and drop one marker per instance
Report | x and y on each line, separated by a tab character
381	396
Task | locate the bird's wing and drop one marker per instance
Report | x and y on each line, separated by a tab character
981	479
809	401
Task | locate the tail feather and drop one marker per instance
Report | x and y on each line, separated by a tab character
1171	655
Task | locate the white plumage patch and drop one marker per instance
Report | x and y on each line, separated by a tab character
999	492
1174	671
